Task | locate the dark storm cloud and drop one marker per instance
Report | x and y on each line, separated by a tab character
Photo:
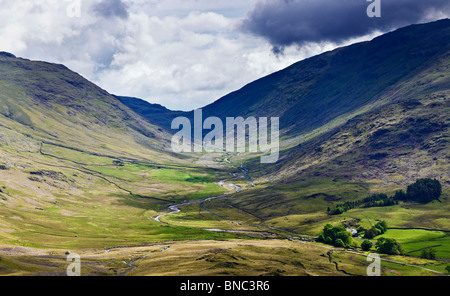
288	22
111	8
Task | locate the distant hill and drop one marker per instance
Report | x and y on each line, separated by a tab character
48	102
154	113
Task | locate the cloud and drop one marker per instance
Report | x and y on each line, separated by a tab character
187	62
111	8
182	54
288	22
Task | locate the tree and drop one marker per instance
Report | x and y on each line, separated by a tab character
448	268
370	233
331	234
366	245
345	236
338	243
428	253
400	195
382	226
321	238
388	246
424	190
379	228
328	240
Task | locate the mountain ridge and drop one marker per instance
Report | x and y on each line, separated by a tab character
53	103
319	89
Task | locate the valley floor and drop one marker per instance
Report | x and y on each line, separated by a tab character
115	216
234	257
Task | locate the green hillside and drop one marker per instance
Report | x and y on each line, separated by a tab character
78	169
49	102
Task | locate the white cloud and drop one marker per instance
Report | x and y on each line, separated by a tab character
182	54
187	62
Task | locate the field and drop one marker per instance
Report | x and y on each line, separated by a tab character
88	201
103	207
415	240
231	257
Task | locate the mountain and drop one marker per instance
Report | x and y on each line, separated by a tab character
397	136
369	117
383	127
354	113
317	90
374	111
79	169
342	82
50	103
154	113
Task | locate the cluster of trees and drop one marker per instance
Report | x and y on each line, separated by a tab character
379	200
384	245
378	229
428	253
388	246
375	200
337	236
423	191
341	208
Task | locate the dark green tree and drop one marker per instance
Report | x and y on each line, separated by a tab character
330	234
428	253
424	190
338	243
388	246
400	195
366	245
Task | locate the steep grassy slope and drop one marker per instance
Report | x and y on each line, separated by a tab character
79	169
414	128
315	91
382	146
50	103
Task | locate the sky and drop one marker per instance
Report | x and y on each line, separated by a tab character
185	54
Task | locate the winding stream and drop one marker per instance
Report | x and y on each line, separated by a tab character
303	238
175	208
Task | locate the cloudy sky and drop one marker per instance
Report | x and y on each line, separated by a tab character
185	54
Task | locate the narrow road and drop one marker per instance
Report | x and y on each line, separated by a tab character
245	171
176	208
